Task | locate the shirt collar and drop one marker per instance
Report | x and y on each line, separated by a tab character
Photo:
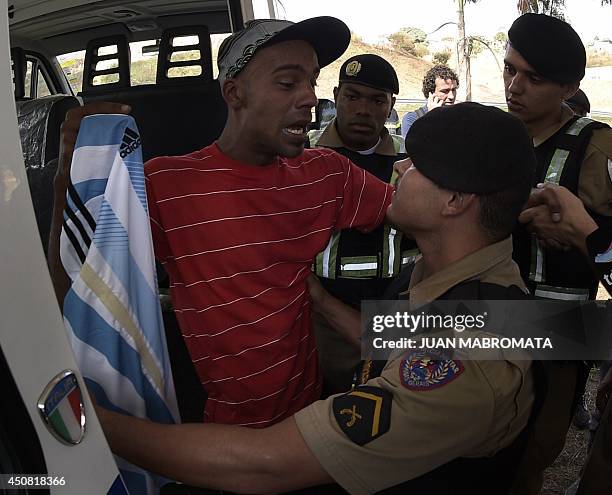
566	114
331	139
493	262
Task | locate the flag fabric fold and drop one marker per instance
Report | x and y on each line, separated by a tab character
112	312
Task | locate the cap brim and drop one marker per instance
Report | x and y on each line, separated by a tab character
330	37
392	91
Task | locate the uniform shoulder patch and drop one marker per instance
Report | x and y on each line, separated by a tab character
363	414
426	369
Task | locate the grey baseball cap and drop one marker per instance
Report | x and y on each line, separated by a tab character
328	36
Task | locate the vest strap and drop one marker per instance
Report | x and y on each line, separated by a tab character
561	293
358	266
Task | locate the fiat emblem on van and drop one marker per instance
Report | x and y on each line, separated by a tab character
62	409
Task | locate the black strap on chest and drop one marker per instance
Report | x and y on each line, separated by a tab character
558	274
561	156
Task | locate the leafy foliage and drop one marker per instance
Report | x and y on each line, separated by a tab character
410	40
442	57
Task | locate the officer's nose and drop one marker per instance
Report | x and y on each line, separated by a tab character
401	167
515	84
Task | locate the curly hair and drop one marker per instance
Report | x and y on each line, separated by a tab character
437	71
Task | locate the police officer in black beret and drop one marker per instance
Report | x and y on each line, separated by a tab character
543	66
544	63
356	266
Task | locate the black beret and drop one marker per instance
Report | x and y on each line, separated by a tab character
370	70
471	148
550	46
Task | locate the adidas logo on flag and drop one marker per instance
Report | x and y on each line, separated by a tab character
129	143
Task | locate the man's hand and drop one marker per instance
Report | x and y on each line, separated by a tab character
434	102
70	130
557	217
68	136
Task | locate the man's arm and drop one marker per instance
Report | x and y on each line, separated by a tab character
68	136
222	457
342	318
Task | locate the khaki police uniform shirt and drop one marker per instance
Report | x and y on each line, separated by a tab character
402	432
595	179
388	145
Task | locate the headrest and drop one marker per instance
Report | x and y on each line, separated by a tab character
169	58
93	68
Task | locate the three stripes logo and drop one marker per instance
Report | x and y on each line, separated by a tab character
129	143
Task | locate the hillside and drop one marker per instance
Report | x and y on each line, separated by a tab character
487	81
410	70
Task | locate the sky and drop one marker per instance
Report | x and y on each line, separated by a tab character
374	20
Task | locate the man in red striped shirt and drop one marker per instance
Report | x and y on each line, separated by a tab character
238	223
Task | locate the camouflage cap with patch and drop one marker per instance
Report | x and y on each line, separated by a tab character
328	36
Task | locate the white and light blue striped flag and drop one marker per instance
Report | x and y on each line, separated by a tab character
112	312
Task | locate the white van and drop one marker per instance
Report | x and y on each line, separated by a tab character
50	438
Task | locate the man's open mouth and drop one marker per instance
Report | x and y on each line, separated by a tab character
296	130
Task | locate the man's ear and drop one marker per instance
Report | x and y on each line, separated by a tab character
233	93
336	93
392	105
458	203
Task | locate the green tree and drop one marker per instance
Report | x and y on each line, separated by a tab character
442	57
551	7
500	39
410	40
554	8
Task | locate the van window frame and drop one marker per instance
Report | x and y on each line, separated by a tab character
41	65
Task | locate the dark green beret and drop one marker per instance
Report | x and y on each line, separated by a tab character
370	70
550	46
471	148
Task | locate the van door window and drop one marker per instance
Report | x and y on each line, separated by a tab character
37	82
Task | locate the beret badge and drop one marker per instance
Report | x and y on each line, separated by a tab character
353	68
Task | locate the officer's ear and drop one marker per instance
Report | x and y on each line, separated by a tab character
392	105
336	92
457	203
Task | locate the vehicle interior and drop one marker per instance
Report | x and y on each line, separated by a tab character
156	56
159	57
